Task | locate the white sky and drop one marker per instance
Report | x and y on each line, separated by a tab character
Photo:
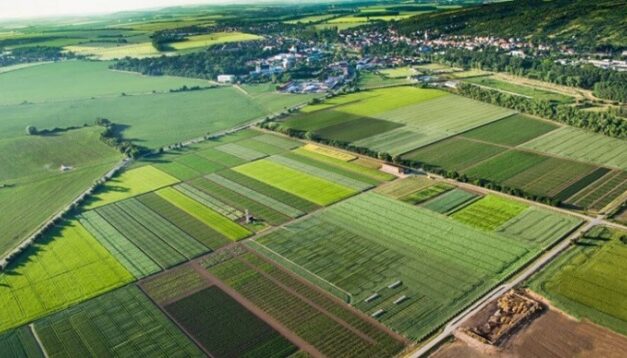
38	8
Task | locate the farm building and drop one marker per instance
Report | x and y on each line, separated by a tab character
226	78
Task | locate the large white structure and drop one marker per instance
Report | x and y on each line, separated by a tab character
226	78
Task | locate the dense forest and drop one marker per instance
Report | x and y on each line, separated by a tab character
585	24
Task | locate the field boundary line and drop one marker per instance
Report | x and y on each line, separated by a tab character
32	329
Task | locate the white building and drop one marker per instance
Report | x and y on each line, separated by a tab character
226	78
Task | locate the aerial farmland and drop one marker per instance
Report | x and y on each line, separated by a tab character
333	179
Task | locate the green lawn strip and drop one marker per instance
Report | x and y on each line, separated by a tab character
121	323
224	159
316	190
505	166
155	247
218	222
240	151
425	194
450	201
241	333
513	130
332	176
129	255
240	201
277	141
171	234
360	172
65	267
405	186
256	196
587	280
20	343
209	201
454	153
270	191
539	227
489	213
186	222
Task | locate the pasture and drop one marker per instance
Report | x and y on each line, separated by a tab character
319	191
366	246
310	314
120	323
73	80
131	183
66	267
212	39
588	281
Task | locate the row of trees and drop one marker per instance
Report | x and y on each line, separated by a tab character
599	122
32	54
113	137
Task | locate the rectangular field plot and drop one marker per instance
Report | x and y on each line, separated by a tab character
454	153
319	191
403	187
326	324
539	227
129	255
209	201
174	284
505	166
241	152
235	199
588	281
240	333
336	154
64	268
450	201
428	193
602	192
210	217
131	183
513	130
583	145
410	268
489	213
19	343
367	172
277	141
355	129
123	323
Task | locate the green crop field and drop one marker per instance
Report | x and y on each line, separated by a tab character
215	38
521	90
513	130
310	314
121	323
539	227
361	172
428	193
184	221
371	80
489	213
20	343
209	201
455	153
72	80
403	187
241	333
316	190
583	145
602	192
451	201
588	280
137	50
174	284
242	202
265	148
130	256
66	267
353	130
210	217
131	183
34	186
366	246
241	152
505	166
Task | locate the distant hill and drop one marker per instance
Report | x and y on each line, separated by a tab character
589	24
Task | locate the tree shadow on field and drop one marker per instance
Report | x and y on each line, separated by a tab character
118	131
93	199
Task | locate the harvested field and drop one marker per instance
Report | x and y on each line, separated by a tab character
331	328
579	144
513	130
451	201
316	190
455	153
366	246
121	323
212	39
240	332
489	213
65	267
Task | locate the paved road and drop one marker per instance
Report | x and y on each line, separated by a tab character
530	270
